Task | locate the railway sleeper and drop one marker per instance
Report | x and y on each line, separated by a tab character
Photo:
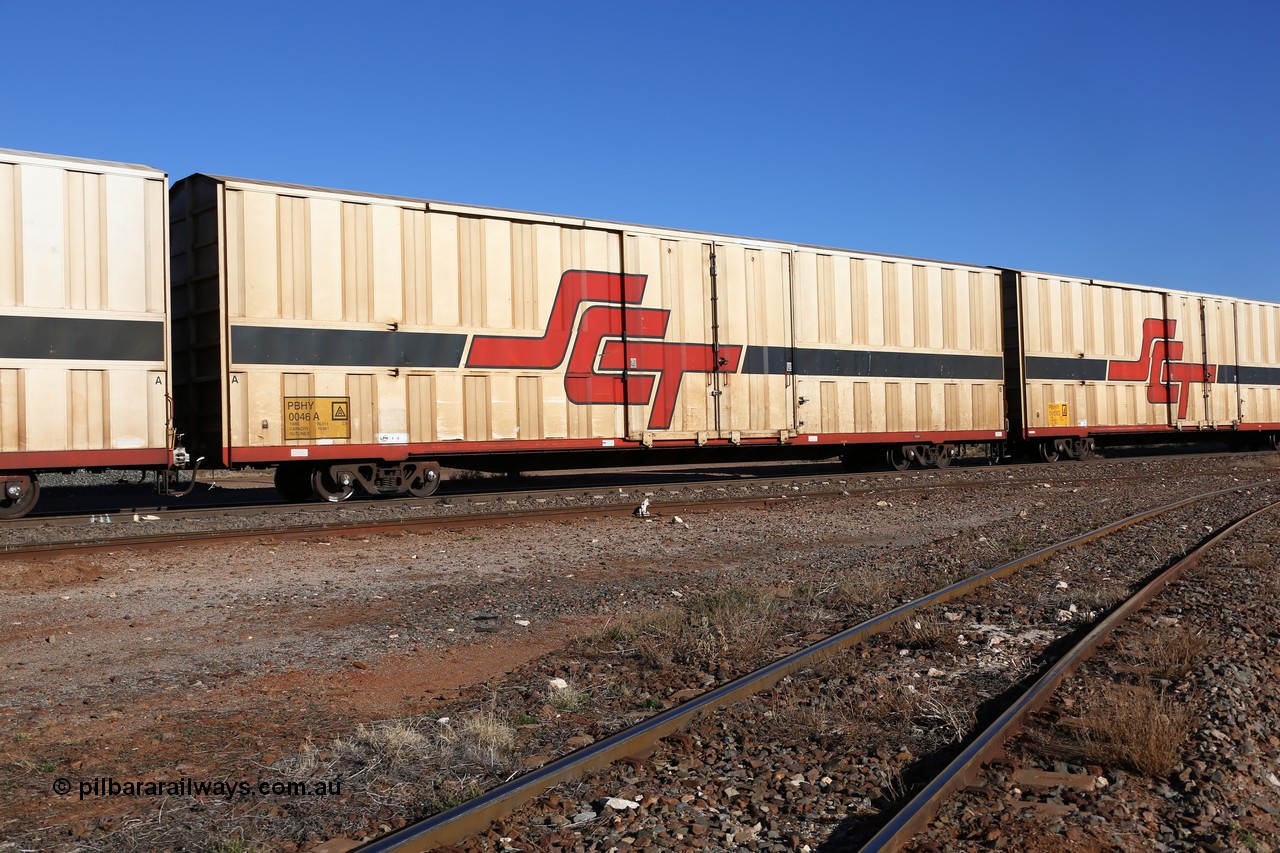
300	481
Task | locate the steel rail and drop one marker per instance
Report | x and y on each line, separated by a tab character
101	542
472	817
855	482
356	528
915	817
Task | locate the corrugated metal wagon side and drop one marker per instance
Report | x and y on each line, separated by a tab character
356	341
360	341
84	343
899	354
1108	360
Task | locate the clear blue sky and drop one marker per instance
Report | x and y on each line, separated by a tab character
1131	141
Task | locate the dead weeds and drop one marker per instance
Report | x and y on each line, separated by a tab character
1138	726
1167	654
738	624
928	631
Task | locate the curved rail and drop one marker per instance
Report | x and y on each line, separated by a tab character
916	815
472	817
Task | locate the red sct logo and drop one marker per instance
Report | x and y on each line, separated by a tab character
619	354
1160	365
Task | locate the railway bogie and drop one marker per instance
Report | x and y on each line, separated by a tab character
300	481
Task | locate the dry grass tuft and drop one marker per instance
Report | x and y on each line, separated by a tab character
400	762
902	705
234	845
571	697
482	739
930	631
1255	461
1255	556
1263	564
737	624
826	714
1135	725
835	665
1169	654
855	590
944	718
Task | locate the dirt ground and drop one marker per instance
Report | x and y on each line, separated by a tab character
212	662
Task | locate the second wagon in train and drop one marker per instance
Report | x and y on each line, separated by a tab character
360	342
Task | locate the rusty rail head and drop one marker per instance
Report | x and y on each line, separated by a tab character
474	816
914	818
331	528
357	528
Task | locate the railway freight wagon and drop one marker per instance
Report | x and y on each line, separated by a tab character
1097	360
84	334
361	342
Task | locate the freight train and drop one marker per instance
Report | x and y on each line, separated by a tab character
358	343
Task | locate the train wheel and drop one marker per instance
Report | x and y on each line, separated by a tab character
427	481
19	496
943	459
1049	451
1275	441
293	482
330	488
897	460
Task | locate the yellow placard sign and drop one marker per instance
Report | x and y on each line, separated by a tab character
1057	414
317	417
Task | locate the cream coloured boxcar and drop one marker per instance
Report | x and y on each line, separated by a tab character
360	341
901	354
84	341
1101	359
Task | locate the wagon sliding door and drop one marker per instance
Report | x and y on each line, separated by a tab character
706	312
1201	346
1220	392
754	307
667	349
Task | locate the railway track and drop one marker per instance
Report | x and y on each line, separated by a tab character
322	637
138	528
989	744
466	823
242	493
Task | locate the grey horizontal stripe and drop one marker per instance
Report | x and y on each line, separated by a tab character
1064	369
905	365
1246	375
344	348
81	339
